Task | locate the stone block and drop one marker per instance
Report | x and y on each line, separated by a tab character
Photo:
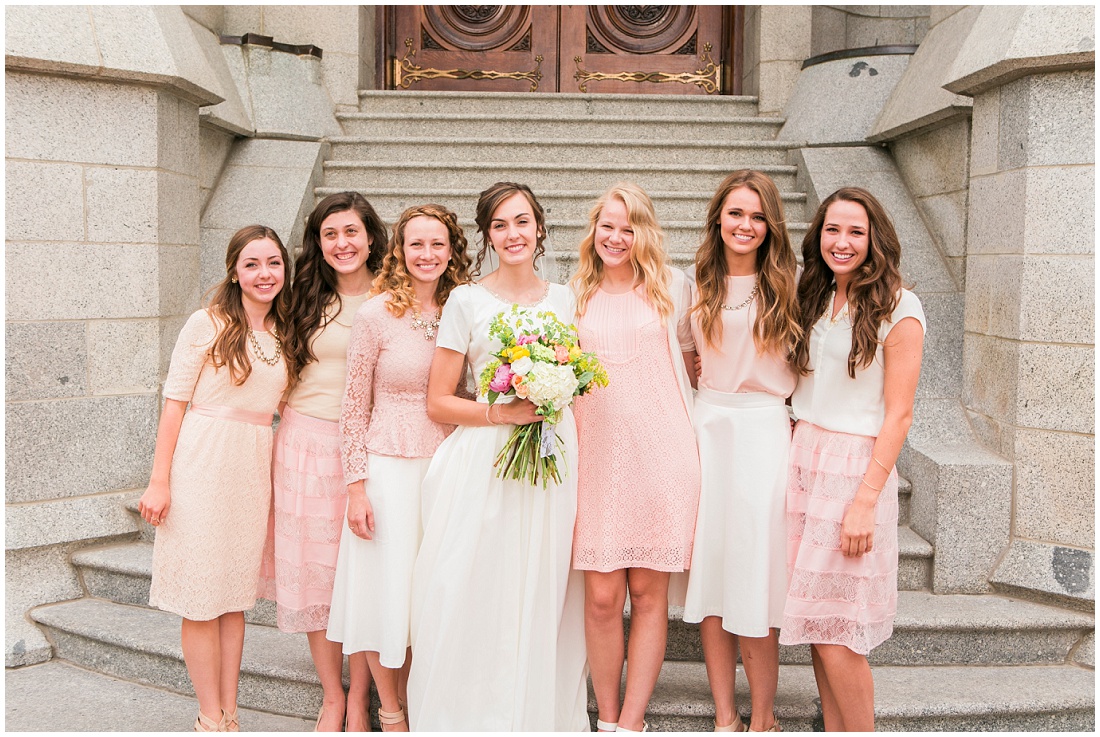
232	113
178	275
862	31
335	28
1065	572
939	13
277	154
33	577
122	205
943	346
945	215
827	30
1056	387
936	161
287	95
915	12
1085	654
991	376
177	134
985	132
998	213
104	281
1061	213
341	77
210	17
1042	117
115	120
248	194
45	360
214	147
179	201
1057	299
785	32
169	331
991	433
112	436
123	356
993	295
215	241
1055	487
44	201
57	38
837	102
242	19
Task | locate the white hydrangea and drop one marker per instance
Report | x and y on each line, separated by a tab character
522	366
551	384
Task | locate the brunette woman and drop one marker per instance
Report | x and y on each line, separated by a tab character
210	491
638	472
745	324
497	620
341	251
860	354
388	443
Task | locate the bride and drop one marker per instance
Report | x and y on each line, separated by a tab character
497	620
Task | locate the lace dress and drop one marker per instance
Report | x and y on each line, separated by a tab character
498	618
388	442
638	473
207	551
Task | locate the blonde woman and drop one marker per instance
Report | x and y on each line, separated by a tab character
638	470
388	442
745	324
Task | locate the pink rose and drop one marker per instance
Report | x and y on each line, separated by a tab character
561	354
502	379
516	380
525	339
521	391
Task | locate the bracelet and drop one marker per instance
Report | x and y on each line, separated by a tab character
864	482
884	468
487	417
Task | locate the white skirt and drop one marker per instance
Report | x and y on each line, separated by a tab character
498	614
739	565
372	595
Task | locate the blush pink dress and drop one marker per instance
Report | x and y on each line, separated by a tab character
638	470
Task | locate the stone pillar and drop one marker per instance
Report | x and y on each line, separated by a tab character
102	257
777	40
1030	277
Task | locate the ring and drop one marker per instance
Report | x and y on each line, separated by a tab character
155	520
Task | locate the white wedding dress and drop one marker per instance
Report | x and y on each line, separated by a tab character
497	617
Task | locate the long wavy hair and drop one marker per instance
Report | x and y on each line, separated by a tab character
315	281
647	254
224	300
874	287
777	327
394	277
488	202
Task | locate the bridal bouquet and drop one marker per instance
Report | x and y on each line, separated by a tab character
539	360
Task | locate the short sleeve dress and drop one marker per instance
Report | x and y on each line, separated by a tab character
497	616
207	551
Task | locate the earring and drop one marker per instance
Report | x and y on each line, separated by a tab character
233	279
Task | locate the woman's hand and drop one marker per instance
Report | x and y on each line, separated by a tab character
698	365
517	412
154	503
857	530
360	511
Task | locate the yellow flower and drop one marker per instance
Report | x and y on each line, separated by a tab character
575	353
515	353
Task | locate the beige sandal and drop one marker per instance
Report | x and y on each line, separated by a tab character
390	717
774	728
205	724
735	726
231	720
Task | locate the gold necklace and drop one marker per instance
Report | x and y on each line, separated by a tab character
258	352
428	326
752	295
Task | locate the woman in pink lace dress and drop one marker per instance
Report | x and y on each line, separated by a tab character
745	323
388	444
860	353
341	251
210	489
638	470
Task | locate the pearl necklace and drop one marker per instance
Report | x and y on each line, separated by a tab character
428	326
752	295
259	353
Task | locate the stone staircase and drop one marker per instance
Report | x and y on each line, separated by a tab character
955	662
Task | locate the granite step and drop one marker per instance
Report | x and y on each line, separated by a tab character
907	698
533	126
575	149
503	104
688	205
542	177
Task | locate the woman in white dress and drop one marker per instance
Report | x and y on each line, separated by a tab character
497	615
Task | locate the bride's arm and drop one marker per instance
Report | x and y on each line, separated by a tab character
446	408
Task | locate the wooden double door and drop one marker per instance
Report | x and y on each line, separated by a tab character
658	49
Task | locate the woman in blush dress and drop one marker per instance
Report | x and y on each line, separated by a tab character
638	472
860	354
341	251
745	324
497	619
210	490
388	444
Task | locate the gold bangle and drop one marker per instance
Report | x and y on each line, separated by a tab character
864	482
489	419
884	468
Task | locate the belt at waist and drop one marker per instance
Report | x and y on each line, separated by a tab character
739	399
231	413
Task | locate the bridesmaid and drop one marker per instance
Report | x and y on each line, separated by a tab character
745	324
638	471
341	251
860	356
497	620
210	490
388	441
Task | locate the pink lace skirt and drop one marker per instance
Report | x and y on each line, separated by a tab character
310	501
833	599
